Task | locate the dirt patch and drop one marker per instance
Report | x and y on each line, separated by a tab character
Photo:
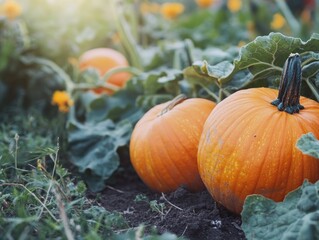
192	215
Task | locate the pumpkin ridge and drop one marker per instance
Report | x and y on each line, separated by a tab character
278	181
265	154
149	166
239	188
172	131
168	179
172	163
226	134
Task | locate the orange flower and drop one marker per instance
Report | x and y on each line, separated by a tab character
204	3
234	5
11	9
62	100
278	21
172	10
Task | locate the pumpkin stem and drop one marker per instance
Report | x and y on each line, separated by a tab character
177	100
289	87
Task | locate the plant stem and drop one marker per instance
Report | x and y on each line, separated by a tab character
293	23
177	100
132	70
289	88
63	215
126	35
16	138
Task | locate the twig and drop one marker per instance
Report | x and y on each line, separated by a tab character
173	205
114	189
64	218
16	138
55	159
184	230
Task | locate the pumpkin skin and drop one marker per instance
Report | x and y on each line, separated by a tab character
248	147
163	147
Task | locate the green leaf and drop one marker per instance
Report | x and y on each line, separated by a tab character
273	50
93	149
310	70
295	218
309	145
139	233
260	62
217	71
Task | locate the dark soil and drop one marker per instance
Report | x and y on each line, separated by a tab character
192	215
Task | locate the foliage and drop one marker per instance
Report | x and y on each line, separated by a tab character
308	144
260	63
209	53
294	218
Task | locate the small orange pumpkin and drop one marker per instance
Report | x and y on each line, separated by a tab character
164	144
104	60
248	144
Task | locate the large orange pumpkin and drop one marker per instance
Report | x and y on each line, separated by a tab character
164	144
248	144
104	60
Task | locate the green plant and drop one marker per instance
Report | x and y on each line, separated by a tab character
155	206
294	218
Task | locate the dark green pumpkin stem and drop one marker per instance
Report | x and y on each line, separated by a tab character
177	100
289	87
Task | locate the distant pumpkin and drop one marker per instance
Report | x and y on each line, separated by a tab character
248	144
164	143
104	60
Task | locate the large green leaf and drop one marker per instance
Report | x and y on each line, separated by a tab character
260	62
93	149
309	145
296	217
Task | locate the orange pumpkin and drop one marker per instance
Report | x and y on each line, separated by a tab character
104	60
248	144
164	144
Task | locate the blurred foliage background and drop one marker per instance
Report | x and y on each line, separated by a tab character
41	42
48	111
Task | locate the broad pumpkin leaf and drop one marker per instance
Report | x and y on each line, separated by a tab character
93	149
295	218
309	145
262	61
269	53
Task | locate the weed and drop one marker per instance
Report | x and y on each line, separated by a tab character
41	199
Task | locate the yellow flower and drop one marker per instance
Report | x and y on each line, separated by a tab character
204	3
234	5
73	61
241	43
62	100
11	9
278	21
149	8
172	10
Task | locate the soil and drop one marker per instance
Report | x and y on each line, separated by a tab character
194	216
